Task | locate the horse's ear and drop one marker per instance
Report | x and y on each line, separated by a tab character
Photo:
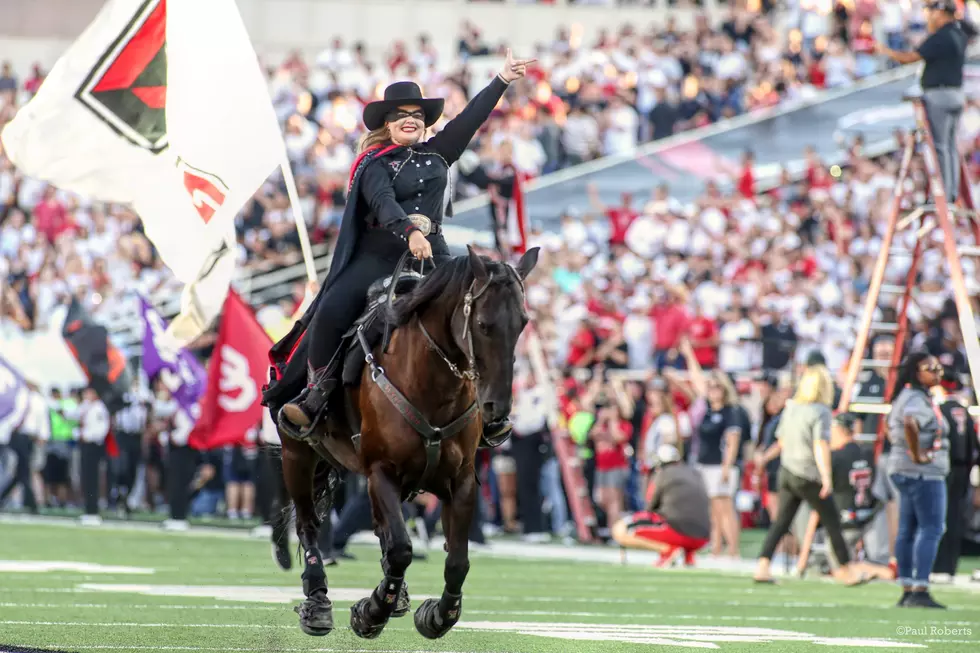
477	265
527	262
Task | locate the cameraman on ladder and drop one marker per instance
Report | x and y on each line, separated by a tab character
944	54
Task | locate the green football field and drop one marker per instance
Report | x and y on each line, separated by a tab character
67	588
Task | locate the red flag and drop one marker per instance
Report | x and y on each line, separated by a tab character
232	402
516	218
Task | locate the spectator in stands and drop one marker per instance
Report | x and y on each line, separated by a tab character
918	464
803	444
715	446
677	520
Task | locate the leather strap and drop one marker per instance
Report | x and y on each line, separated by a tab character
432	436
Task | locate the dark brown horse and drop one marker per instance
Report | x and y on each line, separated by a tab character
450	358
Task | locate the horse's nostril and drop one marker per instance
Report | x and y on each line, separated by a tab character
488	407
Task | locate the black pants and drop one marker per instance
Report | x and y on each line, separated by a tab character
126	465
181	465
526	450
793	491
948	556
269	484
23	447
91	466
346	298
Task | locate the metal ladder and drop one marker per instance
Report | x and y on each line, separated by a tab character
924	220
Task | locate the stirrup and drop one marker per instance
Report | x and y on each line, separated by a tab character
294	431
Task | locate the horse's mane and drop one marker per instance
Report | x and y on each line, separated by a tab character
450	279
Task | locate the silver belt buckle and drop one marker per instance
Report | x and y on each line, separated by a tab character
422	222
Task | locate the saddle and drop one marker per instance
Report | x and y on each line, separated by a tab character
375	327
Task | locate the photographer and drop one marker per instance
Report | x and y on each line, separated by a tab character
944	54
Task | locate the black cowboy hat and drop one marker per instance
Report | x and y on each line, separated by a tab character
400	94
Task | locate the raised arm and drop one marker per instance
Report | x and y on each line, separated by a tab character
451	142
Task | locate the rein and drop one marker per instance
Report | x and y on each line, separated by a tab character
432	436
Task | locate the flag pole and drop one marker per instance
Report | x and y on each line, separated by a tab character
304	236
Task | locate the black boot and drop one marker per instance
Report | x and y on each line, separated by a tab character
299	418
496	433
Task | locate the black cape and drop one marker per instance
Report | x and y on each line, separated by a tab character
287	374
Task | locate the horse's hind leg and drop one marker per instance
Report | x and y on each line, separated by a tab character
370	615
298	466
434	618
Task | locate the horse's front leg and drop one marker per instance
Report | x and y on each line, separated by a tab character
435	618
298	466
370	615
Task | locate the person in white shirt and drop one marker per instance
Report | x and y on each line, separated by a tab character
529	445
93	427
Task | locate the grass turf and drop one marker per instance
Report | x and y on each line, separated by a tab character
580	606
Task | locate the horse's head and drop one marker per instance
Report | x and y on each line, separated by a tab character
489	325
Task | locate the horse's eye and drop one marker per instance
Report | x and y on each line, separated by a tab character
483	326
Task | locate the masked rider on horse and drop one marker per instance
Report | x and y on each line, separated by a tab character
396	199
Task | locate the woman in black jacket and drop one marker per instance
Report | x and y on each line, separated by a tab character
396	199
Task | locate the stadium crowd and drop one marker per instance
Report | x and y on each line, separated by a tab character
671	323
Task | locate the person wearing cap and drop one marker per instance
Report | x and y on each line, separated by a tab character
678	518
944	54
397	199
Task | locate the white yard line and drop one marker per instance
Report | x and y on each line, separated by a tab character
524	613
471	596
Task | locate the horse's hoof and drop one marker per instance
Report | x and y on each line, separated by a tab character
430	623
404	605
315	616
360	621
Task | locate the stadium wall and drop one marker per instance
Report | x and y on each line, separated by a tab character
39	30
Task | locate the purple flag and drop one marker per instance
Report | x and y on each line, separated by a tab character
11	387
183	375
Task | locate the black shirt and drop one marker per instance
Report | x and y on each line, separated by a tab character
663	118
711	434
778	343
852	470
414	179
962	433
944	53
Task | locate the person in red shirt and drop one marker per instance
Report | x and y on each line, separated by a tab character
670	321
746	179
581	351
703	334
620	218
50	217
611	436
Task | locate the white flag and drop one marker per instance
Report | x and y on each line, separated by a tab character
160	104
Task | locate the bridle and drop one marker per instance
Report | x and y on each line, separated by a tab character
469	374
433	436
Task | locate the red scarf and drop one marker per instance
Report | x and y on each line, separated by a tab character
361	156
